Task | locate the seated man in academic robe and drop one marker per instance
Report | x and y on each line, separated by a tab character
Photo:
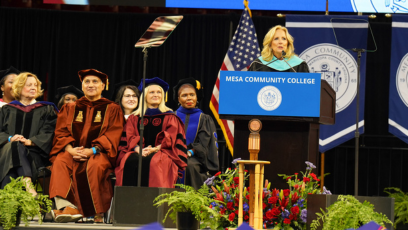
84	151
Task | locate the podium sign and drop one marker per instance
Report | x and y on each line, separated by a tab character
269	93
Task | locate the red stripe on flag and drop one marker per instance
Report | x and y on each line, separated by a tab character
214	106
224	67
217	83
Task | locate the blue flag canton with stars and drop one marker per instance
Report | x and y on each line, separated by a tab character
244	48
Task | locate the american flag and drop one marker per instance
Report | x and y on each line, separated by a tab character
243	50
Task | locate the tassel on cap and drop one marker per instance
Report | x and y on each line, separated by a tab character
191	81
198	85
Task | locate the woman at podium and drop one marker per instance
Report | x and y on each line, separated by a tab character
278	53
164	149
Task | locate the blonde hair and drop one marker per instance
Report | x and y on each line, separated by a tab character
20	81
162	107
267	53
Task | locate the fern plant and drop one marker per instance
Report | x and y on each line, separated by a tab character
190	200
400	205
15	199
347	212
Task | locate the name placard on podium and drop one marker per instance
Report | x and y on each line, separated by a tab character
269	93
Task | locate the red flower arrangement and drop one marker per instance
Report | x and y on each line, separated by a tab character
283	209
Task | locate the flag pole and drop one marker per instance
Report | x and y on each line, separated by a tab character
236	60
327	7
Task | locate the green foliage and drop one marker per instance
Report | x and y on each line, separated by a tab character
190	200
348	212
400	205
14	198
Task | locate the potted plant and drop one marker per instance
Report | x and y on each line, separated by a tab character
191	202
400	206
16	203
347	212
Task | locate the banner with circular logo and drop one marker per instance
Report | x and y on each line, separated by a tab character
338	67
398	99
315	42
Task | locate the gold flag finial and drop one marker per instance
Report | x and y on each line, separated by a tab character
246	6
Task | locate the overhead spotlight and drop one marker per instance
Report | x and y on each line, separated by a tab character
280	15
372	16
388	15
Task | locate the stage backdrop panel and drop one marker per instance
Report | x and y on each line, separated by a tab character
398	104
316	43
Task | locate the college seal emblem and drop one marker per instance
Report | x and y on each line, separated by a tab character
269	98
380	6
401	80
338	67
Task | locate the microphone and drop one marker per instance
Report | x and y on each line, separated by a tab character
283	57
266	64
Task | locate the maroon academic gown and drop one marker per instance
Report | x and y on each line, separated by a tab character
86	184
168	131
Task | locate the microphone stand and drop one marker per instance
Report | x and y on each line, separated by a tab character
141	127
359	51
357	133
269	62
283	58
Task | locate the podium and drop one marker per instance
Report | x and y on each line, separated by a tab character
290	133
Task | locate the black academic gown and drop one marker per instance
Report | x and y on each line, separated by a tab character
257	65
35	122
201	135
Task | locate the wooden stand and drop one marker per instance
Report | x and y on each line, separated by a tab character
255	194
256	178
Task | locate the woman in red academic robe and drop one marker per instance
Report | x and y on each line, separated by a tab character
164	149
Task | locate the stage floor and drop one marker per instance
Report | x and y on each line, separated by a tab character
74	226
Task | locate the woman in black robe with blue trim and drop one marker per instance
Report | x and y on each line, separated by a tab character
201	134
26	131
